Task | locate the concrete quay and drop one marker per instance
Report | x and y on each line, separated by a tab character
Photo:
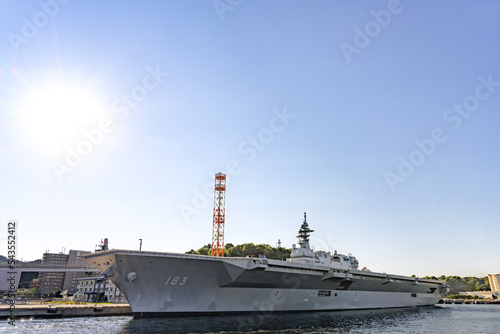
64	310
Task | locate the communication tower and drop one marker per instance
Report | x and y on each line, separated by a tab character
219	215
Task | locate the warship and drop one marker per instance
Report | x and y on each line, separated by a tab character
159	284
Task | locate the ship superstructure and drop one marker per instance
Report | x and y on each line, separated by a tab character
170	284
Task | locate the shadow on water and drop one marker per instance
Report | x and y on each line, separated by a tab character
318	322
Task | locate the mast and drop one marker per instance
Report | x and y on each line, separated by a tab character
304	233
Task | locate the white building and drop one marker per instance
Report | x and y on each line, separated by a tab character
97	289
481	294
494	282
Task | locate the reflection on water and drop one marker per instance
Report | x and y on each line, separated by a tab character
457	319
318	322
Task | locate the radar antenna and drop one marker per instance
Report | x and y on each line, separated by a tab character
304	233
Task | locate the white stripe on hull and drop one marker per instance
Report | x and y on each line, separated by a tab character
282	300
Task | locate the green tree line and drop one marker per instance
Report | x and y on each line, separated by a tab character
462	284
248	249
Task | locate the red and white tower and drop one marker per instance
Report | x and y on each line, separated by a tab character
219	215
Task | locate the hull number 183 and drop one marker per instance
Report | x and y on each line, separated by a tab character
176	280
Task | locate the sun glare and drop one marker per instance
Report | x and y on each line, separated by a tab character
55	117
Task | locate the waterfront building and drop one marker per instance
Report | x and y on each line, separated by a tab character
97	289
70	277
494	282
62	280
51	281
56	271
481	294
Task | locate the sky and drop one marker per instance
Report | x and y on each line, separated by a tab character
378	118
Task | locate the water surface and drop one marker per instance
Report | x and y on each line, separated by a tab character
459	319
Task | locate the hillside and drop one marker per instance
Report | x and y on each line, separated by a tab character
462	284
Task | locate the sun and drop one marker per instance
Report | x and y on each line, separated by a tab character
55	116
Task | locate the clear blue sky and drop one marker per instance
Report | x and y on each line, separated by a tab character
380	119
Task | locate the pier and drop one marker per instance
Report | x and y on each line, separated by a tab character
469	301
64	310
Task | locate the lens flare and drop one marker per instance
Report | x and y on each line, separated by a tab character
56	116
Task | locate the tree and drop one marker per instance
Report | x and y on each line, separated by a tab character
248	249
205	250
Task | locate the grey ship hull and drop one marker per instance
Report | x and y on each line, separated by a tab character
168	284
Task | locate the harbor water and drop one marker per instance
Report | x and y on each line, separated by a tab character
458	319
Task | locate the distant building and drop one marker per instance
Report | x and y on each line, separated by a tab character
97	289
63	280
481	294
74	257
494	282
51	281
